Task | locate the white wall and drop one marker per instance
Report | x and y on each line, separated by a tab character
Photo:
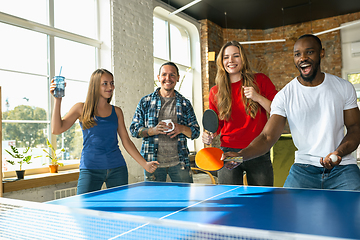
132	63
39	194
351	34
350	64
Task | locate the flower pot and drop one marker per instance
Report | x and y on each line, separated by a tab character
20	174
53	168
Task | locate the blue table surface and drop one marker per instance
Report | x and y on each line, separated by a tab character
304	211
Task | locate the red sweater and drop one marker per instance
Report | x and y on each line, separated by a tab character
241	129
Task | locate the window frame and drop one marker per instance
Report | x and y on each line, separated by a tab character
346	75
51	33
193	27
183	30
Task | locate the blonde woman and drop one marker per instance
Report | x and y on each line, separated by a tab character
241	98
101	159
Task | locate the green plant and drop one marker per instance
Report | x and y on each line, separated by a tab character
23	158
53	156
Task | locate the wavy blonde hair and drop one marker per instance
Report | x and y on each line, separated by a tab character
89	110
222	80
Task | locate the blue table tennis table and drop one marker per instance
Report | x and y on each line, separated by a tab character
326	213
153	210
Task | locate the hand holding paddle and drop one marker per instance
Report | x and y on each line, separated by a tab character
230	156
207	137
209	159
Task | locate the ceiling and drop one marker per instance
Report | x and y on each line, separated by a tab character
264	14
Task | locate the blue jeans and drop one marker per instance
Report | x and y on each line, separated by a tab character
92	179
346	177
176	173
259	171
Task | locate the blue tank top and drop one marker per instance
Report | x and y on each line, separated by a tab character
100	144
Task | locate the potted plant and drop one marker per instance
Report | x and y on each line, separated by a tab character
25	157
54	164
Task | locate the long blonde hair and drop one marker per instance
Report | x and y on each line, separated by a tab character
222	80
92	99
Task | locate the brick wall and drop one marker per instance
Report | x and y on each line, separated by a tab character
273	59
211	40
132	58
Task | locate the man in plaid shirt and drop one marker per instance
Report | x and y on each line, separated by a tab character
160	143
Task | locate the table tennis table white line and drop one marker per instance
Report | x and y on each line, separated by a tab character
199	203
122	234
131	230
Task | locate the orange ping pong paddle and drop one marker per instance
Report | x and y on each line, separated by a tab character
209	159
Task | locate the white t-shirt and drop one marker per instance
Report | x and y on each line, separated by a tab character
316	116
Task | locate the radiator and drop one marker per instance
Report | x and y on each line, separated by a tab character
66	192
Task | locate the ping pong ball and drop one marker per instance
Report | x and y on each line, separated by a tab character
333	158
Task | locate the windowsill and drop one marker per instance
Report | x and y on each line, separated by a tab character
40	180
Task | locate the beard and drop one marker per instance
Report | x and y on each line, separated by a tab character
311	77
168	89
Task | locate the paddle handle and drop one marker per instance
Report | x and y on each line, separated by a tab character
235	159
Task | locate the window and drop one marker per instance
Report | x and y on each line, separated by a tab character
35	45
172	43
354	78
76	16
20	8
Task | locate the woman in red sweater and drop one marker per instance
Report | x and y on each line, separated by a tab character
241	99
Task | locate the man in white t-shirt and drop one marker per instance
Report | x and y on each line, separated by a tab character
317	106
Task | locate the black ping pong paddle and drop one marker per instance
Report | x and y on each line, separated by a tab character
210	121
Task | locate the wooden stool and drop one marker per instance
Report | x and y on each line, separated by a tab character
245	180
210	175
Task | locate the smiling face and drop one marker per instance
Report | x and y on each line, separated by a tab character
232	60
307	58
168	78
106	86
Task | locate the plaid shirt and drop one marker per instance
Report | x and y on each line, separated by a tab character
146	116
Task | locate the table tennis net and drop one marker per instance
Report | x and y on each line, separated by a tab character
31	220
